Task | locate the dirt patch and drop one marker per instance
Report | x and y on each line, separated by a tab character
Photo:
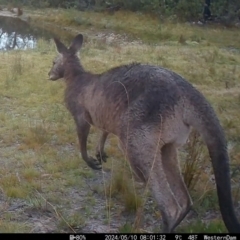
49	218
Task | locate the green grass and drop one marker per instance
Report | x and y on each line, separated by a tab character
147	28
40	161
215	226
13	227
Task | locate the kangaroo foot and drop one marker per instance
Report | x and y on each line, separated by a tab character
94	163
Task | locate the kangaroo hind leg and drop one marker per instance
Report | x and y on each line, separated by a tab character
174	177
145	158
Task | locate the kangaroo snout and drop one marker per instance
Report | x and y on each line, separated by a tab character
51	76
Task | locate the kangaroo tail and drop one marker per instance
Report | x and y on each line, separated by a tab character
201	116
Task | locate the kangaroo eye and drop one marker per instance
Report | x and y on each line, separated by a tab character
53	62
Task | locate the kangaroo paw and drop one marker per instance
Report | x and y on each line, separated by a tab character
101	157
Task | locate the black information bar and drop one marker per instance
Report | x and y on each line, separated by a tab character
122	236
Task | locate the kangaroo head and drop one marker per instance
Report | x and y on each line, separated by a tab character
59	63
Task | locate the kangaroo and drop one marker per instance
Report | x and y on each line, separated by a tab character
151	109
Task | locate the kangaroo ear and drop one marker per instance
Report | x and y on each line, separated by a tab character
60	46
76	43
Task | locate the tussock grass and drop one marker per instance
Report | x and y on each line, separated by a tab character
193	164
39	149
74	221
123	187
13	227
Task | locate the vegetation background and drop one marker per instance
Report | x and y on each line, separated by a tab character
44	184
227	11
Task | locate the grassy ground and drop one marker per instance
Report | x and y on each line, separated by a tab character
44	184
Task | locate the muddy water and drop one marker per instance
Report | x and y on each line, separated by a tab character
18	34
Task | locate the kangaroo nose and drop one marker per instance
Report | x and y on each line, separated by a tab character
49	76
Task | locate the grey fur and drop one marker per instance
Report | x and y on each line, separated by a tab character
151	110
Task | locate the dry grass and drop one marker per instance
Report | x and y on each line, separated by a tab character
39	151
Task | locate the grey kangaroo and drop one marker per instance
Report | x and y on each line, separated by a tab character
151	110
